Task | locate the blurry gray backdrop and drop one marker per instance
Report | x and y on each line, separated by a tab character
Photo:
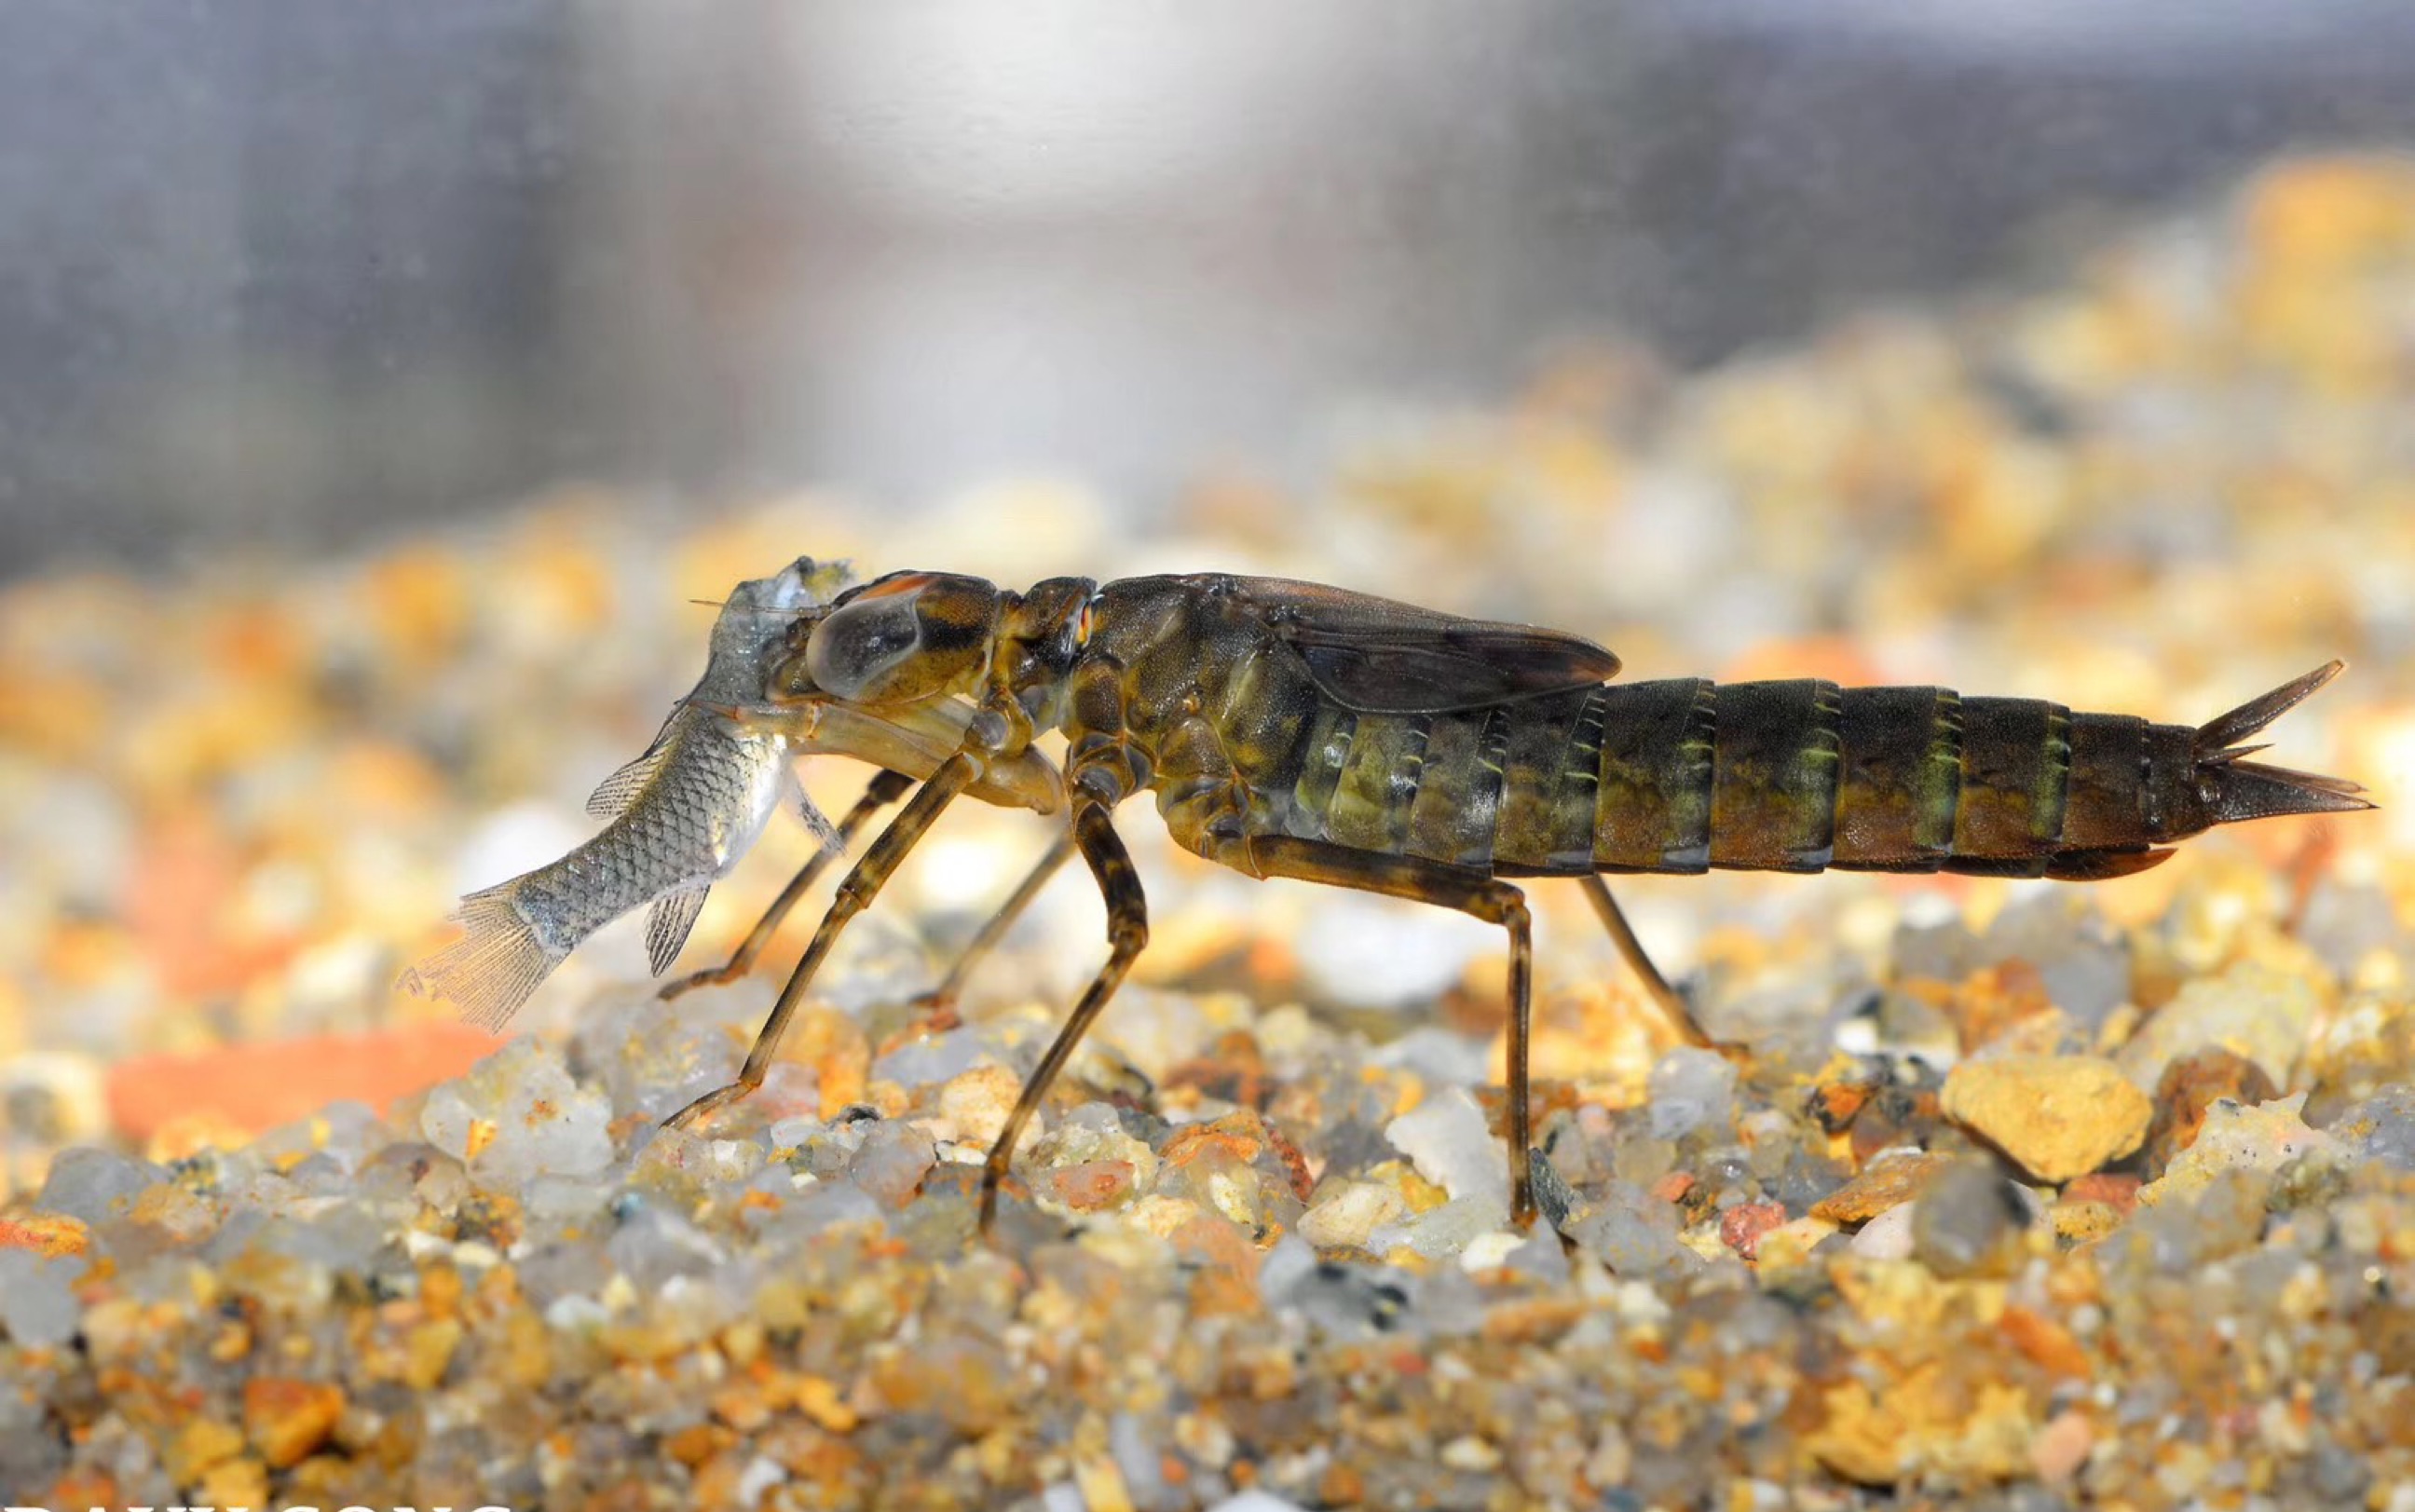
302	273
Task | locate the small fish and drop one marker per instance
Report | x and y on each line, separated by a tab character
682	814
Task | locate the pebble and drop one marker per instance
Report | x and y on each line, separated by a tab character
1344	1218
37	1299
2366	1046
2061	1448
890	1162
1742	1227
1633	1235
1913	1027
1793	1243
95	1185
976	1104
2252	1009
2347	923
518	1116
2235	1137
2083	966
287	1419
1689	1089
2059	1117
2382	1127
1439	1232
1888	1236
1895	1176
59	1093
1969	1220
1447	1140
2191	1084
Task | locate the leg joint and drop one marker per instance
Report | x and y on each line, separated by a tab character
1127	935
853	894
1501	904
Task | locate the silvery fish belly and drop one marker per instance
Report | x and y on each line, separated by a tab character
682	814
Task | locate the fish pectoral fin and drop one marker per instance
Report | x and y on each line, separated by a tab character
667	924
825	834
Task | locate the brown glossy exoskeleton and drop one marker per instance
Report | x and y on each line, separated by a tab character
1295	730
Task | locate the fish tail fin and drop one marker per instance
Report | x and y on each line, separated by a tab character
493	967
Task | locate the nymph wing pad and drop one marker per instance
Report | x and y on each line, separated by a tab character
1377	655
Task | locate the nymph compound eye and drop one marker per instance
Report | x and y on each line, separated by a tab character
903	637
860	642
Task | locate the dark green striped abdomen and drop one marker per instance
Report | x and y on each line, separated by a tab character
1683	776
1774	777
1900	777
2016	780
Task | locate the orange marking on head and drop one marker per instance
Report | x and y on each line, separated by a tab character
910	583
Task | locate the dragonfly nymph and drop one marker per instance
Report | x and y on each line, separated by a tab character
1295	730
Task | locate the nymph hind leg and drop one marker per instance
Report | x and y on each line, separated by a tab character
1622	935
1471	892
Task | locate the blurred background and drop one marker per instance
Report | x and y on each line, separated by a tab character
378	388
276	271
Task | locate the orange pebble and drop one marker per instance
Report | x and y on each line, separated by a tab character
262	1086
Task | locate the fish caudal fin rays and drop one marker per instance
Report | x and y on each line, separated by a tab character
667	924
499	962
493	967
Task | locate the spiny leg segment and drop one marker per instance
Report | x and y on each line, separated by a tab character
1485	898
886	788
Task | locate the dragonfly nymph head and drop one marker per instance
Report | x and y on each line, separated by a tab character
898	639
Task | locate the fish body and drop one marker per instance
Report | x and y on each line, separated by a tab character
681	815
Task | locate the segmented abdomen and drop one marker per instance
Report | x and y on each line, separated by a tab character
1683	776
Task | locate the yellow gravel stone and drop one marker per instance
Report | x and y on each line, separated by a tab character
977	1102
1102	1485
2059	1117
200	1443
820	1399
235	1483
286	1419
429	1351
